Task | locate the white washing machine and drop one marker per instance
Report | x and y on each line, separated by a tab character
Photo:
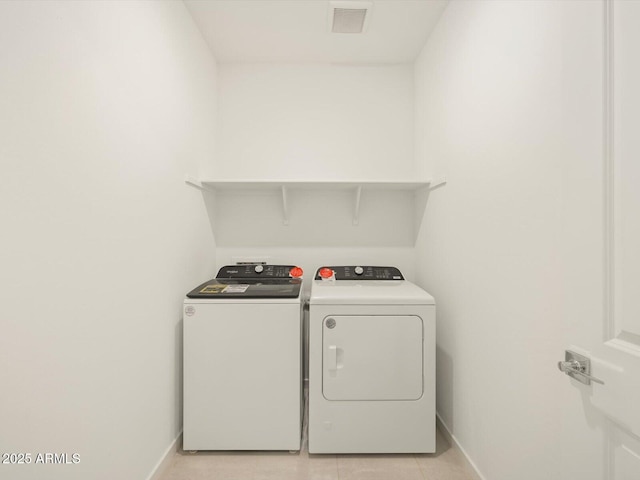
371	362
243	360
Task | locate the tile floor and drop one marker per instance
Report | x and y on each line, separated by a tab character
447	463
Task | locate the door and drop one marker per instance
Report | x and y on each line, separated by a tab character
372	357
601	422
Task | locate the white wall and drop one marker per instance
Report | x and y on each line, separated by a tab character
299	121
104	106
315	121
488	116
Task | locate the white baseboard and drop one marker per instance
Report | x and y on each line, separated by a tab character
165	462
454	441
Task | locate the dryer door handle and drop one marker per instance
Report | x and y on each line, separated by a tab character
332	360
335	358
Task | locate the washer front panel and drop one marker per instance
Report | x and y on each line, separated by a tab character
242	376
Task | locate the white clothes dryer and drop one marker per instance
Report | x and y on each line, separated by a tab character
371	362
243	360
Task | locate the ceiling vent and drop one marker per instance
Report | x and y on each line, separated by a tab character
349	16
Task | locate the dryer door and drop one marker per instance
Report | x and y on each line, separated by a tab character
372	357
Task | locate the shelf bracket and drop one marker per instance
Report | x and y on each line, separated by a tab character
285	206
356	210
194	182
437	182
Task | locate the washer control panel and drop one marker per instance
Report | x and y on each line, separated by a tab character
259	270
363	272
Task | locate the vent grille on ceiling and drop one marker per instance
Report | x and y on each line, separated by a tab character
349	16
348	20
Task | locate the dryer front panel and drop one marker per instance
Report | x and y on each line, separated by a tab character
372	357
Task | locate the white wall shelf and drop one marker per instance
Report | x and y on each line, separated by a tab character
283	186
292	193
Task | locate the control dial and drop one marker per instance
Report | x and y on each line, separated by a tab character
358	270
258	269
295	272
326	273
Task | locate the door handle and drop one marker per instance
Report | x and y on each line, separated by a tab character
578	367
333	358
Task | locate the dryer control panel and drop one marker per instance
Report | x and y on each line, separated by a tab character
363	272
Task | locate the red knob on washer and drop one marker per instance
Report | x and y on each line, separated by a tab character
296	272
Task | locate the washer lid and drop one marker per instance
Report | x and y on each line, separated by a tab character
372	292
247	288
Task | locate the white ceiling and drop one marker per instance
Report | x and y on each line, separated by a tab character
298	31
